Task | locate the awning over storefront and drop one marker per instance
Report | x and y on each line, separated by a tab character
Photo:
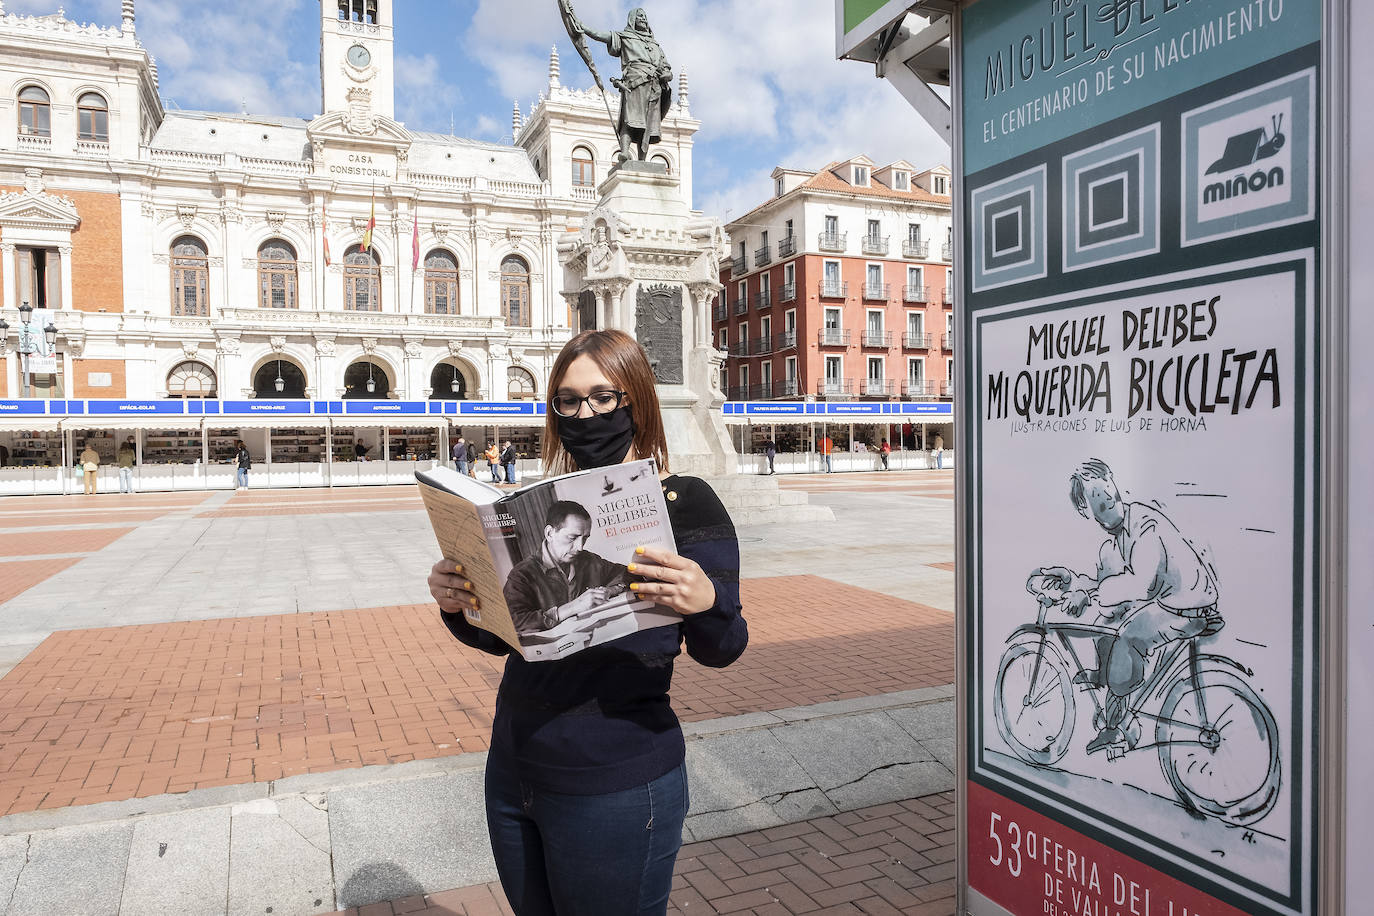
761	413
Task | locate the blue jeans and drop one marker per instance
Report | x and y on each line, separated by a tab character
243	477
462	465
586	855
827	463
495	473
510	472
126	480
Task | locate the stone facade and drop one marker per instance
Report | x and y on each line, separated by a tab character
99	182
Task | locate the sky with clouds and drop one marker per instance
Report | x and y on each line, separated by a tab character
763	78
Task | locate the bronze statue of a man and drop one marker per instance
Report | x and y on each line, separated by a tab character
644	83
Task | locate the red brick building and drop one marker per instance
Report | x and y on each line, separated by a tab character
840	286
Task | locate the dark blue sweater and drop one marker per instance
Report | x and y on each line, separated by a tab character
599	720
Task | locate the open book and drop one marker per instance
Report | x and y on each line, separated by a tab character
548	561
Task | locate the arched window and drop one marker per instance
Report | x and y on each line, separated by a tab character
190	278
448	383
92	118
35	112
358	11
284	370
191	379
366	379
583	168
667	166
277	282
520	383
362	280
441	283
515	291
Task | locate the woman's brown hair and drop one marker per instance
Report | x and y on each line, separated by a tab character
624	362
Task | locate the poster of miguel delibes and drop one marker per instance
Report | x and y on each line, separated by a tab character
1140	400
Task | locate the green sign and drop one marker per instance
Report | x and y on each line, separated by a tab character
856	11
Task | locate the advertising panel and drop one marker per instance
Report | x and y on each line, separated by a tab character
1140	180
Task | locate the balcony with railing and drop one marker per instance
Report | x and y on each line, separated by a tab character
915	341
832	337
877	292
947	297
763	299
947	389
787	388
835	387
739	348
787	292
834	289
947	251
914	249
832	241
877	339
763	255
720	311
876	244
878	388
947	341
919	388
737	393
787	246
914	293
742	305
739	266
787	340
762	345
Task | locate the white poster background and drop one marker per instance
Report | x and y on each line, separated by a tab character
1229	488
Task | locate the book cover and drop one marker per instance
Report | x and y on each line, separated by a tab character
548	562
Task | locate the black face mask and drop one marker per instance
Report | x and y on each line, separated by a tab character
600	440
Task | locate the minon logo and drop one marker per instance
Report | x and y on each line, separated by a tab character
1250	147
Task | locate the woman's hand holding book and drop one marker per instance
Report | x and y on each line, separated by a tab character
452	592
675	581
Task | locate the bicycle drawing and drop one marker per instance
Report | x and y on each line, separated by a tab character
1148	663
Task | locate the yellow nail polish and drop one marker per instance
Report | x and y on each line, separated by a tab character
634	586
639	550
631	567
467	585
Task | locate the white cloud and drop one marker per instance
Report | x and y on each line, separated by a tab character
424	99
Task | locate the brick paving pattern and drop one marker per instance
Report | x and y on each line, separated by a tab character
893	858
933	484
48	542
18	576
122	712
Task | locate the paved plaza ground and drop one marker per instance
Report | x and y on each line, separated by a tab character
244	703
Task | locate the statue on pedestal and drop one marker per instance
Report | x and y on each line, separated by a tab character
645	77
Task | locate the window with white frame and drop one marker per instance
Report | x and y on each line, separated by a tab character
765	286
873	277
723	338
583	168
832	319
765	328
875	369
834	370
875	231
941	184
831	275
832	226
915	325
787	229
915	369
744	378
914	292
789	368
778	186
789	321
766	377
861	176
901	181
913	233
789	281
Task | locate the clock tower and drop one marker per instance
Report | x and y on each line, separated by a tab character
356	72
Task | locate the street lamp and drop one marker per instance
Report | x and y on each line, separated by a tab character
455	386
371	385
280	382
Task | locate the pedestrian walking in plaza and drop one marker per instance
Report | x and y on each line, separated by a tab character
472	459
459	453
938	453
770	451
244	461
127	457
883	451
508	457
586	787
493	457
90	465
826	446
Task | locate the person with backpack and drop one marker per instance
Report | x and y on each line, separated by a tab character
472	459
244	461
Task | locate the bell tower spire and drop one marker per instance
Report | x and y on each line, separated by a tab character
127	25
356	53
554	69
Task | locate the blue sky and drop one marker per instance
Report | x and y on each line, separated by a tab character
763	78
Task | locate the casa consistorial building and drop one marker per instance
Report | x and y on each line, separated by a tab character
195	254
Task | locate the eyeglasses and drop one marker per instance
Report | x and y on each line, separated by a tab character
601	402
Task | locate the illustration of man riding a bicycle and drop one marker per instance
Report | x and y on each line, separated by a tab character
1155	598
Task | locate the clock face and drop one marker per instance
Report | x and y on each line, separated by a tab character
359	56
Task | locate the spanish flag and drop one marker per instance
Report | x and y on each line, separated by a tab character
324	222
371	222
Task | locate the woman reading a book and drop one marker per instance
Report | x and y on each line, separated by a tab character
586	789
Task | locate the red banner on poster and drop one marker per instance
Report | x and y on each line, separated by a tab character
1034	866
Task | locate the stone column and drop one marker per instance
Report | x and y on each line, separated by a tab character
9	267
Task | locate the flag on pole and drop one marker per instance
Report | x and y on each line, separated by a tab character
415	240
371	222
324	222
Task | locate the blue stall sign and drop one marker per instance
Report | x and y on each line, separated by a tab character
24	407
135	407
500	408
384	407
285	408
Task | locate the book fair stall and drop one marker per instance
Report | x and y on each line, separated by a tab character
856	430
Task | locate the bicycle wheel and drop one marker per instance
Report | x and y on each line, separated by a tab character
1219	746
1036	720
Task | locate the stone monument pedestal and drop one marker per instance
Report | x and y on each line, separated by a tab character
643	262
